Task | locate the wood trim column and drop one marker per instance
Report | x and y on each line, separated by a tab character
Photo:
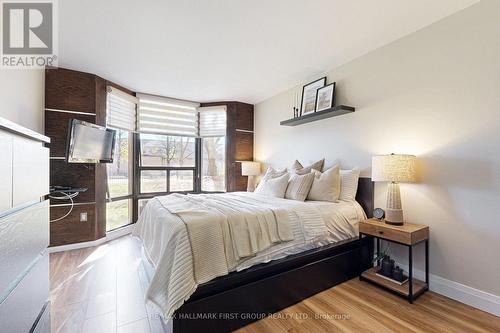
100	169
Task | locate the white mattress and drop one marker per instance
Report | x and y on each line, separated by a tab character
341	219
167	248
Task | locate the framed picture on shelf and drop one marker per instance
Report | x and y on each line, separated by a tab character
309	91
325	97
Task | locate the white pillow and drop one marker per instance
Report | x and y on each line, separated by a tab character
274	173
300	170
299	186
275	187
348	184
326	185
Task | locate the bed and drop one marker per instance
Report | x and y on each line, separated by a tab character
194	290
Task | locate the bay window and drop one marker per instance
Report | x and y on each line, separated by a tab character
162	146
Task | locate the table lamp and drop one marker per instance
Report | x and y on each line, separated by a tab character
395	169
250	169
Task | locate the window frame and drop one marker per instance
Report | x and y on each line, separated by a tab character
200	170
131	196
138	195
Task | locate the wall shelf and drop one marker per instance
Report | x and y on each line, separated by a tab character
332	112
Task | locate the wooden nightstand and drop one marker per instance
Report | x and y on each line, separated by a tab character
408	235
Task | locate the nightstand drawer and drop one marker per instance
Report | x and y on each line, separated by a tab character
382	232
408	233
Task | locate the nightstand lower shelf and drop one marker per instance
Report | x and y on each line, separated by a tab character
408	235
418	286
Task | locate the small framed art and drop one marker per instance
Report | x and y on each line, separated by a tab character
325	97
309	91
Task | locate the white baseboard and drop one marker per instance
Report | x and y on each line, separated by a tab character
109	236
474	297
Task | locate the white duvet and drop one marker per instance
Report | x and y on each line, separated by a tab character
167	242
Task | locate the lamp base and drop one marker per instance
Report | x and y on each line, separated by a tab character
395	223
394	211
394	217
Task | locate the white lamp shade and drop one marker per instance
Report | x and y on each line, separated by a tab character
250	168
394	168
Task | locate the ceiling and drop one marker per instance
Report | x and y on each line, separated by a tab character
230	49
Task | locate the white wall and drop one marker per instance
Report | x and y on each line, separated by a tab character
22	97
435	94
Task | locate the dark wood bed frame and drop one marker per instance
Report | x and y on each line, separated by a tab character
239	298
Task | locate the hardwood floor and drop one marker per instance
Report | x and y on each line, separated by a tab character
101	290
357	306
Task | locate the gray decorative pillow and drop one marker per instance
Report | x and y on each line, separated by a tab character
299	186
300	170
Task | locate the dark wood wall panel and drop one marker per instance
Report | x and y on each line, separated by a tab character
240	181
56	127
244	146
244	117
232	111
100	101
241	119
100	200
69	90
71	229
76	175
231	172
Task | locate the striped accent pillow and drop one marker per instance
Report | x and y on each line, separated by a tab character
299	186
348	184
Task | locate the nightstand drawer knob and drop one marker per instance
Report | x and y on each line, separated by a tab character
381	232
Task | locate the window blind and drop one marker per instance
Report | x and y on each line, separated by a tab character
162	115
212	121
121	109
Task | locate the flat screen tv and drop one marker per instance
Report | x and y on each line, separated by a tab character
89	143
